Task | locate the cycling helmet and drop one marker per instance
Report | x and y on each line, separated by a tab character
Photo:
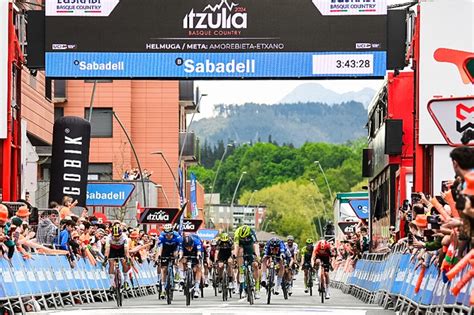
224	237
290	238
244	231
168	228
116	231
188	241
213	243
274	242
309	241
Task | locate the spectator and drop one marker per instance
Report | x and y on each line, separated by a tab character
47	230
364	239
65	235
23	213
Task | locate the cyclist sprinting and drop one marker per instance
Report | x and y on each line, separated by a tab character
306	254
192	249
322	255
276	249
245	244
223	255
117	246
169	243
292	247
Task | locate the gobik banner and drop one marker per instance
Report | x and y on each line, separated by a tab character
70	159
158	215
216	38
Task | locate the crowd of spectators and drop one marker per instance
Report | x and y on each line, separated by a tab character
440	229
60	231
134	174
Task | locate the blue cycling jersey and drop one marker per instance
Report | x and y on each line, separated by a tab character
281	249
174	243
197	246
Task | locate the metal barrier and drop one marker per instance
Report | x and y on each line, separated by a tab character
393	281
48	280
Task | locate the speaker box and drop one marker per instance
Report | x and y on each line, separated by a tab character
35	37
367	166
393	136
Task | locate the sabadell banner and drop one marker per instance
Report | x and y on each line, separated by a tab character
215	38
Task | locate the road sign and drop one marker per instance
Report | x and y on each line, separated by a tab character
453	116
157	215
108	194
215	38
207	235
347	227
360	207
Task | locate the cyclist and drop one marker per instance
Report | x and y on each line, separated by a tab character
276	249
223	255
116	246
192	249
169	243
306	253
210	256
245	244
322	255
292	247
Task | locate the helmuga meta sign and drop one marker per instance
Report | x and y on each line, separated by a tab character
215	38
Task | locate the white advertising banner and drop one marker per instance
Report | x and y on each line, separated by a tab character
446	42
3	67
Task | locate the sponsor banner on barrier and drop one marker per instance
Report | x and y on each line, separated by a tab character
207	235
109	194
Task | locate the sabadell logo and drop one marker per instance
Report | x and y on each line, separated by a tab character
219	16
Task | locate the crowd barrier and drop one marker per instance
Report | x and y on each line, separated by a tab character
390	281
48	281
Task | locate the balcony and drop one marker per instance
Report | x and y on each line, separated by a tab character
186	96
190	147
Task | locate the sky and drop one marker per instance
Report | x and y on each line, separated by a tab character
264	91
268	91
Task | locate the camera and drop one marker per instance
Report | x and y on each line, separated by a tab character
415	198
406	205
444	186
434	221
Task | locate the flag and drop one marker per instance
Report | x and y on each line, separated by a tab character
194	208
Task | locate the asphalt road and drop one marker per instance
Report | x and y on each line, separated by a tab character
298	303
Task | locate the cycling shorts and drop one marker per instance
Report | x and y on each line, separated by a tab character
224	255
117	252
325	261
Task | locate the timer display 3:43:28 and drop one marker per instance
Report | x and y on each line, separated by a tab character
352	63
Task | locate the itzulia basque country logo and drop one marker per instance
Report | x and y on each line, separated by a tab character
221	19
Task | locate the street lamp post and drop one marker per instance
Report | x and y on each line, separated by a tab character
319	219
325	178
169	168
186	134
321	196
235	192
250	199
164	193
217	172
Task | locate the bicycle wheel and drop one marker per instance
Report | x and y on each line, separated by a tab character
284	288
214	280
187	287
321	289
271	279
310	282
169	285
201	287
249	285
118	287
225	284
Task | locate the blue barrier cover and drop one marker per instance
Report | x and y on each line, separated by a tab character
400	274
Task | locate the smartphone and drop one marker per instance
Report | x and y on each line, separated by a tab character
444	186
410	239
415	197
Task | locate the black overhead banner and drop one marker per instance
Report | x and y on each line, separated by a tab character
158	215
215	25
215	38
70	159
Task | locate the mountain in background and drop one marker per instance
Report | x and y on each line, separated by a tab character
284	123
315	92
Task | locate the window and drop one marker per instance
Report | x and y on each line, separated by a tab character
58	113
101	122
60	89
48	89
100	171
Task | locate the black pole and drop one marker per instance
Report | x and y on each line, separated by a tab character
135	154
